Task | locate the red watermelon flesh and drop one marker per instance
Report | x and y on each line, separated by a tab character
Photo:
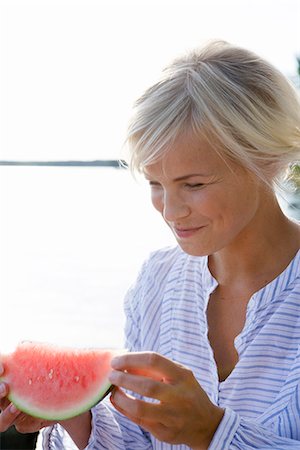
56	383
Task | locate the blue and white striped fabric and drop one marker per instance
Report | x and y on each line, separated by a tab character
166	313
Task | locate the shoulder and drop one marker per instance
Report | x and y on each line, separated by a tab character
164	267
166	256
172	260
151	282
291	274
160	263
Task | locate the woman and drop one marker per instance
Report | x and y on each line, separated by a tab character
212	324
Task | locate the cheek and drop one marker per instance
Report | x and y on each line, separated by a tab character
157	200
237	210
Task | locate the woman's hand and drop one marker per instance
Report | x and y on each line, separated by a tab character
10	415
182	413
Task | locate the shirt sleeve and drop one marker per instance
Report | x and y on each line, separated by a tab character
236	433
110	430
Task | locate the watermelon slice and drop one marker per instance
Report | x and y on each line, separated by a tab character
56	383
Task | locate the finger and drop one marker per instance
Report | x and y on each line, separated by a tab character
4	402
27	424
3	390
141	385
148	363
8	417
1	368
135	409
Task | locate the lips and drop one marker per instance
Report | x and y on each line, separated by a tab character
186	232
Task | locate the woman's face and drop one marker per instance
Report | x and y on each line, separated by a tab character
207	202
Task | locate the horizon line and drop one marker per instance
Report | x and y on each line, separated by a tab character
116	163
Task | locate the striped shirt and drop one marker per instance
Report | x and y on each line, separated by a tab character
166	313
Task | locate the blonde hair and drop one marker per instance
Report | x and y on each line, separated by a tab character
227	94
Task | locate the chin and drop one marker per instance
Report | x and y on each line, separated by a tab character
194	250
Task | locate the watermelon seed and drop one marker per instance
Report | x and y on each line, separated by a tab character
76	379
50	374
30	381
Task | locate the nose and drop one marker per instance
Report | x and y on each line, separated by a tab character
174	207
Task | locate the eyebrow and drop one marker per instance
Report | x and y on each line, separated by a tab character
183	177
191	175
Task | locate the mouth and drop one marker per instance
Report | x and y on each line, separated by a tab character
183	233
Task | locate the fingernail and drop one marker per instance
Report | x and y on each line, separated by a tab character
2	388
112	377
115	362
13	409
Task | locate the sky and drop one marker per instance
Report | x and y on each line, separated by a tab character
70	70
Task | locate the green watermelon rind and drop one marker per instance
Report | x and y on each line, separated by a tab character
63	409
24	406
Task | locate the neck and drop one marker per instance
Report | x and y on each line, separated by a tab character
260	252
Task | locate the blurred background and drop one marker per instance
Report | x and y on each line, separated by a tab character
73	235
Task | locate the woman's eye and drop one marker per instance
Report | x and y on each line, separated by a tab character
154	184
194	186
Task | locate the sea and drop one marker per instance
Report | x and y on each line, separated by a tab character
72	241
